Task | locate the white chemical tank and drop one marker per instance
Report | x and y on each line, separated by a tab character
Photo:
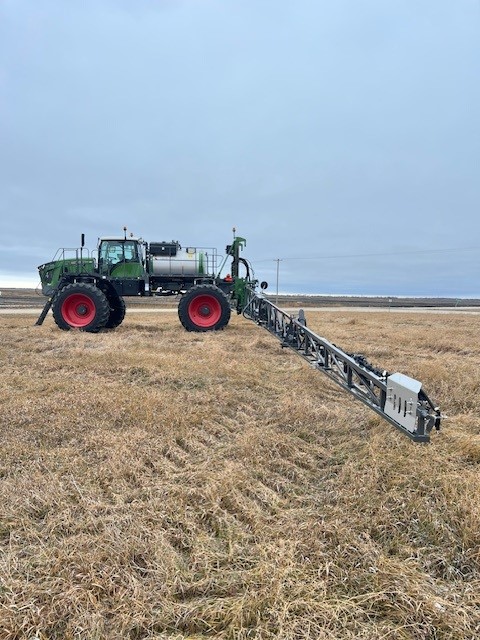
169	259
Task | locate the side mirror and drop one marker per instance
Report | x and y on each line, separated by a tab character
263	285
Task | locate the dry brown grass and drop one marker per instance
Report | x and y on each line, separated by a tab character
160	484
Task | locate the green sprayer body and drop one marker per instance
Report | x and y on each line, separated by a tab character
129	266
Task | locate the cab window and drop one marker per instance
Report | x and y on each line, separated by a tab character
115	252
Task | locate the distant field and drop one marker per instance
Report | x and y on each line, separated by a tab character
25	298
372	301
159	484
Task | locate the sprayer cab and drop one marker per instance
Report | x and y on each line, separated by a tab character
122	262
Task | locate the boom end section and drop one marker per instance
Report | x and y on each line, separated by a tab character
409	408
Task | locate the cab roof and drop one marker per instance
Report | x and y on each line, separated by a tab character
119	239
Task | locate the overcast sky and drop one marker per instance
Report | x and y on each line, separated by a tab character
342	137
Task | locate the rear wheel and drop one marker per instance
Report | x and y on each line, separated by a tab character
117	311
81	306
204	308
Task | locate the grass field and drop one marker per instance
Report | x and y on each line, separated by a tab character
161	484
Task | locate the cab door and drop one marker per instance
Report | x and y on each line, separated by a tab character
121	261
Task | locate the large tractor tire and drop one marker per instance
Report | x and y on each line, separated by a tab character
117	311
204	308
81	306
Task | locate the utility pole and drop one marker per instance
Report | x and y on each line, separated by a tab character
278	260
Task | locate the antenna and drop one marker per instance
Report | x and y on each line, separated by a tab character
82	244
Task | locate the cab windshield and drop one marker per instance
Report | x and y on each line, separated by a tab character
113	252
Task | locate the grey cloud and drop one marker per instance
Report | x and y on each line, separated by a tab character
315	128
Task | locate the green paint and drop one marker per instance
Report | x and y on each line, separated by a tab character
127	270
52	272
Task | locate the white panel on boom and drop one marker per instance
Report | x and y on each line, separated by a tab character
402	398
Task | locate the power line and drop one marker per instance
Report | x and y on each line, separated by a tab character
371	255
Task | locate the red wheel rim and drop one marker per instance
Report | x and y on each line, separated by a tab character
78	310
205	311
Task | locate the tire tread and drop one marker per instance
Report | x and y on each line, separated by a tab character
190	295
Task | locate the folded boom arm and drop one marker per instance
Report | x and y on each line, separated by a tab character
399	399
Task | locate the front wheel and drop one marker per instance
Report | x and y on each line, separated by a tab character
81	306
204	308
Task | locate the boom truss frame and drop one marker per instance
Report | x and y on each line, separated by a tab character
395	397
